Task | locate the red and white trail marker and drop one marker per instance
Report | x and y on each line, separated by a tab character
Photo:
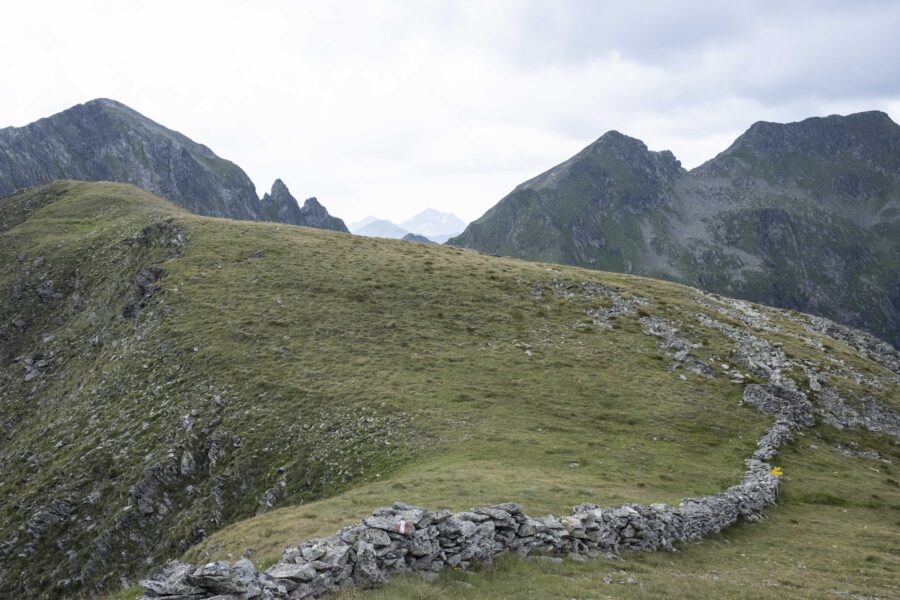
403	527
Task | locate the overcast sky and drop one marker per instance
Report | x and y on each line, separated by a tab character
386	108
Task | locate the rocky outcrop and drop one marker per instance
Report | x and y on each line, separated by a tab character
798	215
104	140
281	206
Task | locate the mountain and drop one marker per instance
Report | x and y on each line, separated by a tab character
412	237
800	215
104	140
363	222
177	386
382	229
431	222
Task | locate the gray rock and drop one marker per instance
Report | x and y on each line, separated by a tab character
366	553
376	537
789	405
725	226
221	578
294	572
171	580
366	572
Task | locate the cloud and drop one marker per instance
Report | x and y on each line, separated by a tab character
387	107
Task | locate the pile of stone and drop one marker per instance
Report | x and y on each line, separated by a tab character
163	234
620	304
788	404
678	347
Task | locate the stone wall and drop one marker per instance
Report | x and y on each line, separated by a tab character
404	538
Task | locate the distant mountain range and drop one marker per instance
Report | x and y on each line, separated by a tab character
432	224
799	215
104	140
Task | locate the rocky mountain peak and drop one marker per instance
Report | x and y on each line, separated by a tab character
105	102
617	143
616	137
616	157
870	137
313	204
279	189
618	146
280	205
315	215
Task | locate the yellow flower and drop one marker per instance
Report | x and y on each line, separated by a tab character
776	471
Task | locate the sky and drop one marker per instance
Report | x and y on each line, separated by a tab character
387	108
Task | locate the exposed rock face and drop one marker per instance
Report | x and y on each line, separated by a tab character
279	205
801	215
104	140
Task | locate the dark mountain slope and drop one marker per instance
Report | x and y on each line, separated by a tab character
104	140
801	215
586	211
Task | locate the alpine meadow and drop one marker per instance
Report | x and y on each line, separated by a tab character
422	362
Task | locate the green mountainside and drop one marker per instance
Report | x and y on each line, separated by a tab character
104	140
173	385
800	215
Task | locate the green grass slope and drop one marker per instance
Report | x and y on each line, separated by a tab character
173	384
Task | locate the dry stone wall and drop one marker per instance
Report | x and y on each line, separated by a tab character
404	538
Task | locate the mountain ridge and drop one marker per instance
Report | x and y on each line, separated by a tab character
105	140
785	215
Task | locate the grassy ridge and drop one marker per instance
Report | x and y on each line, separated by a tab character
323	375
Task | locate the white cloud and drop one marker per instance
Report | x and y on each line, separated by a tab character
389	107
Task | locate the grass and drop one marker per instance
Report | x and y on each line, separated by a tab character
327	375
